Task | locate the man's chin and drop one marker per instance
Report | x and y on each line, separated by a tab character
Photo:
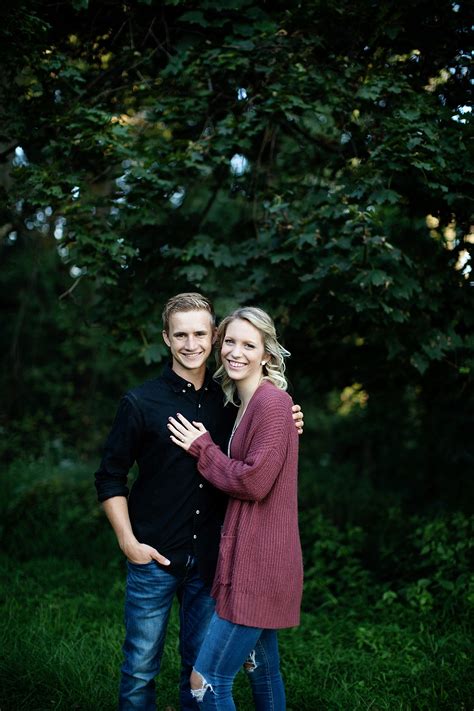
193	363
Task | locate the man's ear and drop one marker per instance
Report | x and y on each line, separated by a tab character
166	338
214	336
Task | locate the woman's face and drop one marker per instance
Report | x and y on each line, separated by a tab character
242	352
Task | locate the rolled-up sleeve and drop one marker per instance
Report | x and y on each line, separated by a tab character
120	451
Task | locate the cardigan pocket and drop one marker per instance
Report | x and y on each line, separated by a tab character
226	559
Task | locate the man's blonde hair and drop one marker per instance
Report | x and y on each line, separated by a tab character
187	301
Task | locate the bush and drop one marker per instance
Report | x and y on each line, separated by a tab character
53	511
334	571
416	561
441	570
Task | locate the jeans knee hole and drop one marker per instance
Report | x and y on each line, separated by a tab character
250	664
199	692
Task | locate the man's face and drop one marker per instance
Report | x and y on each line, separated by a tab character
190	339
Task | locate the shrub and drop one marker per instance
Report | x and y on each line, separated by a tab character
334	571
52	511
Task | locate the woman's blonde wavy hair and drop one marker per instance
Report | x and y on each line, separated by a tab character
273	370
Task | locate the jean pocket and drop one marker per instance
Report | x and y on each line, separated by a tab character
225	563
140	565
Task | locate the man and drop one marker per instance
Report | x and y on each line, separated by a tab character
169	526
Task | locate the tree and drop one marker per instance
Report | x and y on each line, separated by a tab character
313	159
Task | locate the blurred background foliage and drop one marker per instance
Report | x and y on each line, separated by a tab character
313	158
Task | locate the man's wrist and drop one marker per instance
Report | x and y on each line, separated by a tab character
127	542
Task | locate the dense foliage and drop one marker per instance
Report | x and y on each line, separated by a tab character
312	158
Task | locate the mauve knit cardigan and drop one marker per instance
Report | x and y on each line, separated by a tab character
259	576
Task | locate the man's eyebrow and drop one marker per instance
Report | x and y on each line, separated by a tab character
185	333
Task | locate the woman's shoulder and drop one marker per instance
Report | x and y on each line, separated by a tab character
267	393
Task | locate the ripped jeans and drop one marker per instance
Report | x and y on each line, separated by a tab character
149	597
226	648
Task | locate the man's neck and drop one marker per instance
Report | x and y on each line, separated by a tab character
196	377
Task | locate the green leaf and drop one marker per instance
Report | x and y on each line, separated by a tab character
419	362
153	353
195	17
243	45
385	196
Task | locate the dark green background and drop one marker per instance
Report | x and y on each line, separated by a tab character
349	220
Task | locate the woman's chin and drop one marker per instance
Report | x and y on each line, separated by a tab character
233	374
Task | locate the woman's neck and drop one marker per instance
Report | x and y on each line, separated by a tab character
245	392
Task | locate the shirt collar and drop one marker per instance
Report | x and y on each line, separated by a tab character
178	383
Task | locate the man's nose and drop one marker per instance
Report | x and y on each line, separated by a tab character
190	343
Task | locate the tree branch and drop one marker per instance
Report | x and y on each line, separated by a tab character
71	289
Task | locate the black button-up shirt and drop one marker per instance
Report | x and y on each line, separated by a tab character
171	507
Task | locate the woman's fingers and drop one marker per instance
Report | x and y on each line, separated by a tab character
185	422
183	432
184	425
176	433
179	430
177	426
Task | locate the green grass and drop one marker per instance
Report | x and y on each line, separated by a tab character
393	636
61	632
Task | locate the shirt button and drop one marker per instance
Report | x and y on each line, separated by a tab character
194	536
184	391
201	485
197	511
189	385
199	405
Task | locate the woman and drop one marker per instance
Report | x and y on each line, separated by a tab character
258	583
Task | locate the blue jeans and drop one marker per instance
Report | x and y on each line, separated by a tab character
149	597
228	646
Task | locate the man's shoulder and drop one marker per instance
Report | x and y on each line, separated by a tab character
146	389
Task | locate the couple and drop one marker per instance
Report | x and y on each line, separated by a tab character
169	526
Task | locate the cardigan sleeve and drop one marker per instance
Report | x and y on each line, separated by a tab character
265	448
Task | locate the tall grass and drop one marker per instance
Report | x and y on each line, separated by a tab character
369	639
